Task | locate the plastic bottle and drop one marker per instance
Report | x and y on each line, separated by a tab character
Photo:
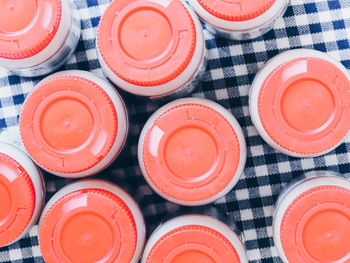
192	151
195	238
299	103
74	124
37	37
91	221
312	219
22	194
239	20
151	48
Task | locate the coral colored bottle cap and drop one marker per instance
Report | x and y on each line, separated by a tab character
77	228
304	105
17	195
27	27
68	124
236	10
191	152
147	43
195	244
316	226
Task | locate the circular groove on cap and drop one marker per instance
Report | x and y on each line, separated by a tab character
195	244
25	29
236	10
147	43
68	118
77	228
306	232
17	195
305	121
191	152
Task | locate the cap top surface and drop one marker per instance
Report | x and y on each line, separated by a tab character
310	105
27	27
236	10
195	244
191	152
68	118
77	228
147	43
314	239
17	196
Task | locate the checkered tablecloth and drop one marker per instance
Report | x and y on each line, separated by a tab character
318	24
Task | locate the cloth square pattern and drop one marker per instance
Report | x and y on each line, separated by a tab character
323	25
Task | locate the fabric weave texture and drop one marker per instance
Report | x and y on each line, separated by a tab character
316	24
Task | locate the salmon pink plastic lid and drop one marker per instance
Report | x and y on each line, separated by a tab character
195	244
89	225
27	27
147	43
191	153
304	105
68	124
316	226
236	10
17	195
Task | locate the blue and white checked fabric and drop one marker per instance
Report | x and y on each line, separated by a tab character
319	24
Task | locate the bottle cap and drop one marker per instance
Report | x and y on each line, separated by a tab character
27	27
147	43
195	244
191	152
89	225
236	10
303	105
68	124
17	195
316	226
